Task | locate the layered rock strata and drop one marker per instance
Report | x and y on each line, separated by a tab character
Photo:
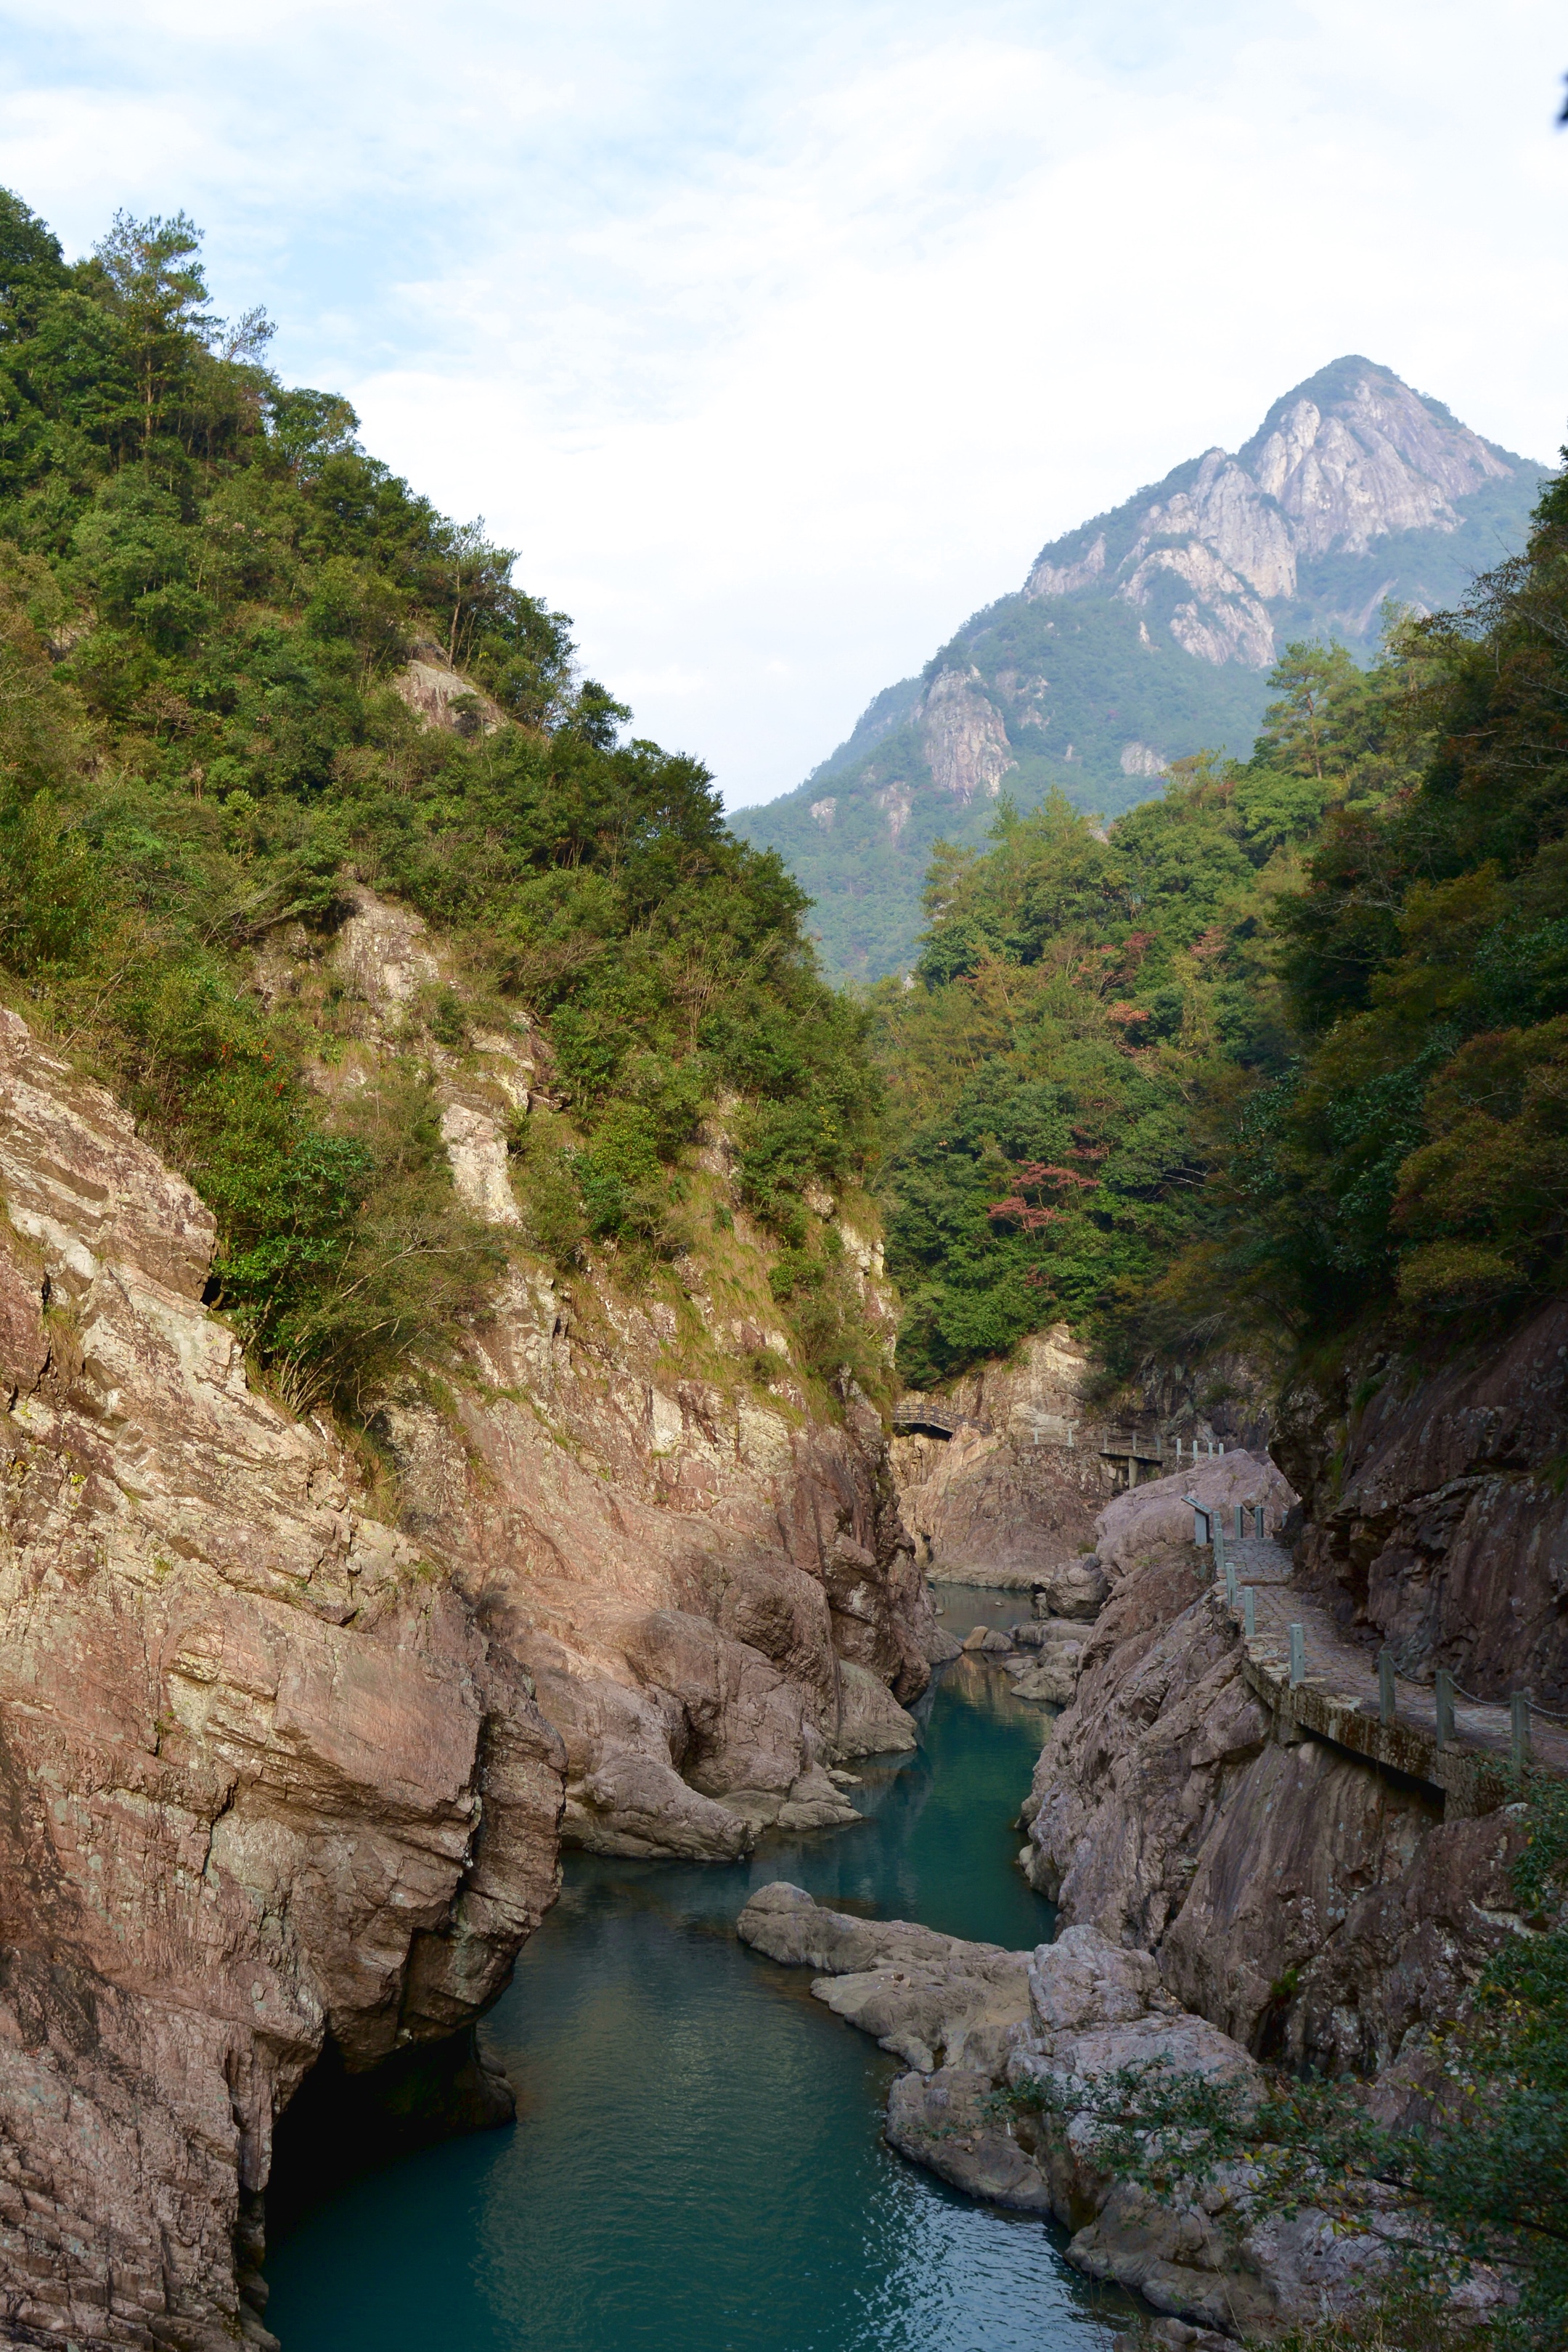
1316	1908
974	2023
280	1778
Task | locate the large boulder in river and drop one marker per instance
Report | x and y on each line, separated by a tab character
1077	1588
933	2000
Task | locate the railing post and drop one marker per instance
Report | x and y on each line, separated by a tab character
1443	1691
1230	1584
1249	1613
1298	1657
1519	1729
1241	1523
1386	1699
1257	1520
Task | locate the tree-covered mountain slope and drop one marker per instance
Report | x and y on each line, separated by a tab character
1147	634
1283	1052
246	674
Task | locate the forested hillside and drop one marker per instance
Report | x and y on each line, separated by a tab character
210	600
1287	1051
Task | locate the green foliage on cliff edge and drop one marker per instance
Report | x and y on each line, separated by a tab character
208	591
1288	1049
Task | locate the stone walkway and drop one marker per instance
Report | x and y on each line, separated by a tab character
1338	1694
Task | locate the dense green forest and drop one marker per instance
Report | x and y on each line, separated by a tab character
1288	1046
208	591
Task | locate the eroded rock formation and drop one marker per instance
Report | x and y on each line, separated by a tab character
279	1777
1313	1907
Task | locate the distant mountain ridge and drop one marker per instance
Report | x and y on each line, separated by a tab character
1146	634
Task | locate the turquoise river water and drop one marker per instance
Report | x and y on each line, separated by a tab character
697	2164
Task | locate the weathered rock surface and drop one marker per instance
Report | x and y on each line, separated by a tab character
1077	1588
933	2000
1437	1518
1146	1519
1006	1499
1053	1674
264	1780
972	2020
280	1778
1308	1905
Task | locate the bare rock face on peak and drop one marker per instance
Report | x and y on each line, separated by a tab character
1148	633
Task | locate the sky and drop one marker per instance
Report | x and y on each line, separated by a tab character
778	339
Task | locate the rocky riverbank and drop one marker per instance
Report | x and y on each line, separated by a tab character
286	1766
1233	1890
973	2022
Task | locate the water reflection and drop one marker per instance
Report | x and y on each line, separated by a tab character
697	2161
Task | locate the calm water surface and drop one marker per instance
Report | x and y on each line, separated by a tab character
697	2162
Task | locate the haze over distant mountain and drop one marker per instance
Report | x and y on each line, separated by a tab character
1147	634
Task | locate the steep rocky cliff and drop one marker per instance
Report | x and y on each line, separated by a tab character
1318	1908
1146	634
1436	1509
286	1756
1005	1498
1017	1484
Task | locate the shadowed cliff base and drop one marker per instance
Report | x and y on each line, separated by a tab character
339	2125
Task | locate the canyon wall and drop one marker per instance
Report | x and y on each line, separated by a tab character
1316	1906
1006	1499
287	1758
1437	1507
1017	1488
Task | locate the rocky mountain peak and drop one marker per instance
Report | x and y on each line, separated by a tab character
1344	459
1149	632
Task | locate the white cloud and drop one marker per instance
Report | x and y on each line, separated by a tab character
779	340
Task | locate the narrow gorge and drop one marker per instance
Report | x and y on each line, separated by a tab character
561	1470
